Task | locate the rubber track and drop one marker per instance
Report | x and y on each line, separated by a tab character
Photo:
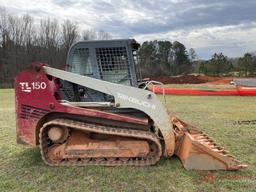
151	159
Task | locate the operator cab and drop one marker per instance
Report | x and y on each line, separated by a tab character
109	60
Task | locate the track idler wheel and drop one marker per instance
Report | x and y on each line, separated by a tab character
58	134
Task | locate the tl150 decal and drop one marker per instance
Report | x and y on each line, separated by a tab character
28	87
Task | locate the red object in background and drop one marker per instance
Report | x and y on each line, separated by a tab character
239	91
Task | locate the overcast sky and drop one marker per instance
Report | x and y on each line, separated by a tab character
209	26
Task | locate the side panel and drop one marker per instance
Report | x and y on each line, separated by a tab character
30	88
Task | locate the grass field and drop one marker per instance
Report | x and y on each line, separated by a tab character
21	168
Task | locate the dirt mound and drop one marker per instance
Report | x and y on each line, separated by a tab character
223	81
216	80
186	79
191	79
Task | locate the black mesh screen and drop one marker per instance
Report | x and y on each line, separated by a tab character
113	65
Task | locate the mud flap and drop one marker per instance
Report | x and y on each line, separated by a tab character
197	151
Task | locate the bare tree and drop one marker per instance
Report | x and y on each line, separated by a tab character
70	33
29	36
94	35
89	35
48	41
102	35
4	35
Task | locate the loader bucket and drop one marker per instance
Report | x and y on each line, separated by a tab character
197	151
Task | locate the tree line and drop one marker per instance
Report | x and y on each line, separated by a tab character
165	58
159	58
23	40
221	65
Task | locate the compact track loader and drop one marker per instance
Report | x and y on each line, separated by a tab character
96	112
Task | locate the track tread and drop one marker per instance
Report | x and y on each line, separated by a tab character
153	159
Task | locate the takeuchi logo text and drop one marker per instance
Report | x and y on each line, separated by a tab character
135	101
